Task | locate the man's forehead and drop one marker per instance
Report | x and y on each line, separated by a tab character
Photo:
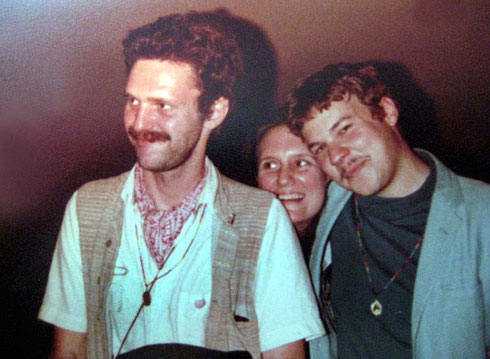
322	120
312	129
332	106
163	76
166	66
324	115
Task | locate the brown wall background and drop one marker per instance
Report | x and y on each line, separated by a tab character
62	80
62	75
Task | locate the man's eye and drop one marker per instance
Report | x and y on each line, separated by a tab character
131	101
344	129
317	149
164	106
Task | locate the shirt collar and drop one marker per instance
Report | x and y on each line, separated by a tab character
207	196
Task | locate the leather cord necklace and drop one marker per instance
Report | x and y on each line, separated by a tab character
376	307
148	286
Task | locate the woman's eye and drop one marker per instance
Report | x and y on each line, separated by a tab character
302	163
269	165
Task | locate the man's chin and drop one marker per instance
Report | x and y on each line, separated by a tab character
157	167
151	167
356	186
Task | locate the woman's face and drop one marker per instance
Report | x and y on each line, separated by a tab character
289	170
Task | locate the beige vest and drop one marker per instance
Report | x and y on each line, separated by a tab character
242	211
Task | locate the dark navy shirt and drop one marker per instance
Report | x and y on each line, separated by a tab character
391	227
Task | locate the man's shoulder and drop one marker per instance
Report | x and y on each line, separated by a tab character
473	194
242	201
108	185
237	189
472	185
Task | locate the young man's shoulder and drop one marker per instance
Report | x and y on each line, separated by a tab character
474	187
470	195
476	195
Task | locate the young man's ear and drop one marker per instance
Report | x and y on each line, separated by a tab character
219	110
390	109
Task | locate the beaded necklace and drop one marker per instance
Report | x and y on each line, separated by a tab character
376	307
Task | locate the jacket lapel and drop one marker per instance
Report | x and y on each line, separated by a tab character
442	224
337	197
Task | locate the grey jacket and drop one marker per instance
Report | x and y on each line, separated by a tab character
451	303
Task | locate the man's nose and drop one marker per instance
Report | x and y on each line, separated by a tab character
143	118
337	153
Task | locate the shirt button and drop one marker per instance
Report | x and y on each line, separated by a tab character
199	303
108	243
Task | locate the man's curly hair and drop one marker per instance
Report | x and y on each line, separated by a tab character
195	38
335	83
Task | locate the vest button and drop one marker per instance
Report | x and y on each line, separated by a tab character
108	243
199	303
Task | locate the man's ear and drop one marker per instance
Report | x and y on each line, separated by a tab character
390	109
219	110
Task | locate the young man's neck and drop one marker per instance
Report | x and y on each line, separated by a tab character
169	188
411	175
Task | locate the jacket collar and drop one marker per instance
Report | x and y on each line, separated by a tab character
321	255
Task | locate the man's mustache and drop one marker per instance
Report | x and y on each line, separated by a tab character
149	136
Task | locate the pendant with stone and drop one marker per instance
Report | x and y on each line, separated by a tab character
146	298
376	308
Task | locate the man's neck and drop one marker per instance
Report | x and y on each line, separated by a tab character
169	188
410	175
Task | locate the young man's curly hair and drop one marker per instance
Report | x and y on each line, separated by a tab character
335	83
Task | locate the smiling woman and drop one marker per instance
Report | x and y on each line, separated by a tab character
288	169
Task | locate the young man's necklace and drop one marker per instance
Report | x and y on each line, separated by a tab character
376	307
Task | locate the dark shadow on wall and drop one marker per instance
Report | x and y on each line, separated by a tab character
255	98
26	246
418	122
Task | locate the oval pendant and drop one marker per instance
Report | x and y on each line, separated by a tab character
146	298
376	308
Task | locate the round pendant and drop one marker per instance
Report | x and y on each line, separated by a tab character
376	308
146	298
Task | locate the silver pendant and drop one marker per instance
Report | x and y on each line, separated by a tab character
376	308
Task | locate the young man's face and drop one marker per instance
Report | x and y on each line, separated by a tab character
359	152
161	114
